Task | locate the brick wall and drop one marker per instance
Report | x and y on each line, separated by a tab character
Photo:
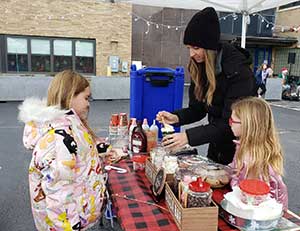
288	18
108	23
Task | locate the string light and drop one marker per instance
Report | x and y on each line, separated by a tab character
268	23
280	28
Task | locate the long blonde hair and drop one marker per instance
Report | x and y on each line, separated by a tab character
204	90
63	88
259	138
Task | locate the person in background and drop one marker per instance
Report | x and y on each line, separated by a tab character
220	74
298	90
270	71
261	79
258	150
286	87
66	180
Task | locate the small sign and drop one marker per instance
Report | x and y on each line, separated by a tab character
159	182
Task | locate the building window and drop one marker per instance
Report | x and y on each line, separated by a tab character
62	55
40	55
17	58
84	57
46	54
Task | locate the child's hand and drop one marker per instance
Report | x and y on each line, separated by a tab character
112	156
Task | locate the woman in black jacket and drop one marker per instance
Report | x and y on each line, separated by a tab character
220	75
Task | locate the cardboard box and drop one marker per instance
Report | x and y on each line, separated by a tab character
151	171
191	219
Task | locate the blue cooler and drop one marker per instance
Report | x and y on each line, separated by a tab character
153	89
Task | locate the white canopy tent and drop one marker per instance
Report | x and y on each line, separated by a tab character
245	7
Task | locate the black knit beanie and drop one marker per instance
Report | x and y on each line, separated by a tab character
203	30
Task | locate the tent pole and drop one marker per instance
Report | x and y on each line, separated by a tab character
244	30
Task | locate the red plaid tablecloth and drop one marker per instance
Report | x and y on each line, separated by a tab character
136	215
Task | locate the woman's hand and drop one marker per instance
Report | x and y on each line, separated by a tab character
175	141
167	117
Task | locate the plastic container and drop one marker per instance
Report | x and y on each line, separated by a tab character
216	175
113	127
139	162
157	156
154	129
145	125
170	164
199	194
154	89
188	161
253	192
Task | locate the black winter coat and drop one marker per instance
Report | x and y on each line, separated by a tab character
234	80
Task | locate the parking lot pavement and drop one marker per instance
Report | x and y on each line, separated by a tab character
293	105
15	213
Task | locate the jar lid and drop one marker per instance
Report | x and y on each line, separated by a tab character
199	185
254	187
139	158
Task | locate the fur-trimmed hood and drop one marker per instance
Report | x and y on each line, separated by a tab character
38	118
36	110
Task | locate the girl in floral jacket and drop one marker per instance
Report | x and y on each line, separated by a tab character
258	151
66	181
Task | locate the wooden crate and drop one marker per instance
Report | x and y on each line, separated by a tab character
191	219
151	171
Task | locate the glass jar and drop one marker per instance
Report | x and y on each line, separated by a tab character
157	156
199	194
170	164
253	192
180	175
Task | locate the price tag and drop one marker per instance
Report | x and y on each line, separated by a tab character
159	182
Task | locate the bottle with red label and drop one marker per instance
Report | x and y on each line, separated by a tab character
138	140
131	127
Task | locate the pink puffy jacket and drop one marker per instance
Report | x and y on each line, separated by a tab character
66	181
